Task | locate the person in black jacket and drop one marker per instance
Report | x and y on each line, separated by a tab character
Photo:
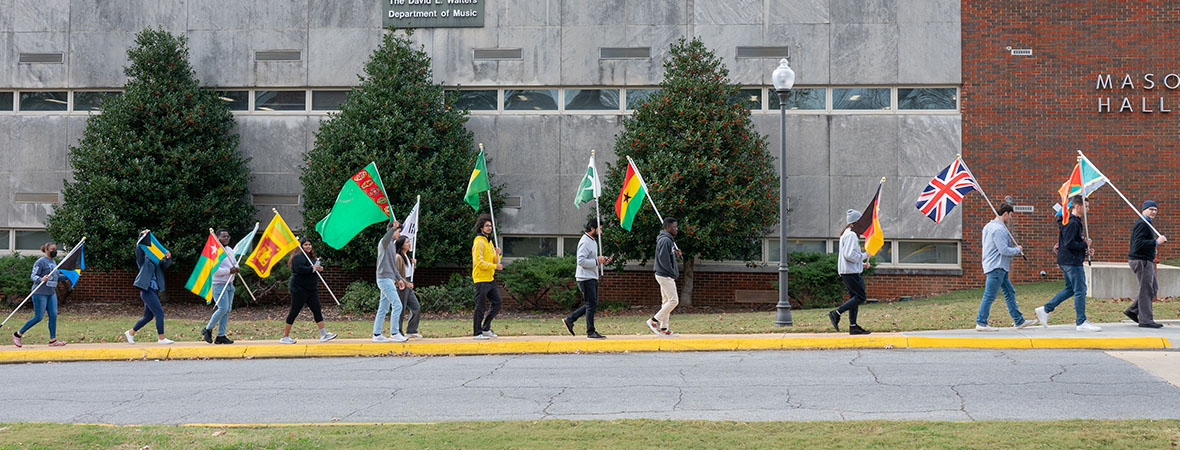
1142	260
304	287
1072	249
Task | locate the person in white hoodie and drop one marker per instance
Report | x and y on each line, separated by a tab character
223	279
851	262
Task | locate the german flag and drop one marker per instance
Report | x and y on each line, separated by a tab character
869	226
631	196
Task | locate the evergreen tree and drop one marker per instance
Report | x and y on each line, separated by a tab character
703	162
411	128
162	155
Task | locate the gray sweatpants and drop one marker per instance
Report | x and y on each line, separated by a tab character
410	309
1145	272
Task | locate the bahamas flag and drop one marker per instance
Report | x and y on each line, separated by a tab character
631	197
152	247
201	281
71	268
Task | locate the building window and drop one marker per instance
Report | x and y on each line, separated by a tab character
927	98
794	246
327	100
31	240
636	97
860	98
280	100
44	101
91	100
5	240
6	101
478	100
802	98
570	245
749	98
235	100
525	246
883	256
592	99
913	252
530	100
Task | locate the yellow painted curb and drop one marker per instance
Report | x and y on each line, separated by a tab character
963	342
845	342
1103	343
219	351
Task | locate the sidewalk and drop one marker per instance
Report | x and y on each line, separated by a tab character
1113	336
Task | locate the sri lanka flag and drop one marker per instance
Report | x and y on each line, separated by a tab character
152	247
71	268
869	225
1083	180
631	196
201	281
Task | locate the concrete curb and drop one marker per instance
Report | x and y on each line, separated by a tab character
535	345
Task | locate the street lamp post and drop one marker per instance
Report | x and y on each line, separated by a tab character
783	79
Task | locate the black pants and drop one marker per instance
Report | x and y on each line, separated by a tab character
485	293
589	289
855	284
300	298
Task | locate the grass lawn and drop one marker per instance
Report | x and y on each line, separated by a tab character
1137	434
947	311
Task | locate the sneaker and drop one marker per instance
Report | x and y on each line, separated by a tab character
1142	325
1130	315
1087	326
398	338
414	335
16	340
130	338
856	329
568	326
1027	323
327	337
490	334
207	335
595	335
481	337
834	316
57	343
381	338
286	340
655	326
223	340
668	333
979	327
164	341
1042	316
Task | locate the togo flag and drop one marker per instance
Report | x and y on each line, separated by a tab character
201	281
590	188
361	202
152	247
478	183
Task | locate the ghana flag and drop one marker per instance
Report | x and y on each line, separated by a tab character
361	202
869	225
631	196
201	281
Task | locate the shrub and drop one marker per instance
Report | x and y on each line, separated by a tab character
814	281
455	295
613	306
361	297
275	284
531	280
15	271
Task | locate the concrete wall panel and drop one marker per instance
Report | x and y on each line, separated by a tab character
35	15
799	11
40	75
864	54
98	58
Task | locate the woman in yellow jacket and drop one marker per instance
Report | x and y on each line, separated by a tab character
485	261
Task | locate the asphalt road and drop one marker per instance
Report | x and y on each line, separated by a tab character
770	385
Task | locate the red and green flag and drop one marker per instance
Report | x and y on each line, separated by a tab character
631	197
361	202
201	281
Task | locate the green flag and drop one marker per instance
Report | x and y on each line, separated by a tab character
478	183
361	202
590	188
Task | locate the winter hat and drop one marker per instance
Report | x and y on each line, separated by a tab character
1149	204
852	216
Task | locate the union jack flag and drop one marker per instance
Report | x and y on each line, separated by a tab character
946	190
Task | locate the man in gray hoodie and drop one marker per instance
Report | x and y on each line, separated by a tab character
666	274
389	280
587	277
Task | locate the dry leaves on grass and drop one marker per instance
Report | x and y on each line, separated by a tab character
218	433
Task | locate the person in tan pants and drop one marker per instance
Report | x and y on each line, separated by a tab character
666	274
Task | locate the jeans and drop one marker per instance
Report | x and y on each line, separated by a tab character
1075	285
854	283
410	308
589	290
390	304
221	315
485	293
41	305
151	310
997	279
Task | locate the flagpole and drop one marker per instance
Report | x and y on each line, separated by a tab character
414	243
1085	222
317	272
22	303
989	203
217	301
597	213
1082	156
491	208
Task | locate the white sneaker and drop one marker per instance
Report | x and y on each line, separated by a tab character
327	337
130	338
398	338
481	337
286	340
381	338
1087	326
415	335
1042	316
490	334
979	327
655	327
164	341
1027	323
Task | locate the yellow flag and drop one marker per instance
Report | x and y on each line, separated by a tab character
276	241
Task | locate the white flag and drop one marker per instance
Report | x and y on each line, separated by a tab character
410	226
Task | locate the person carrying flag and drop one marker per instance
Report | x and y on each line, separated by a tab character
45	297
389	281
1072	248
223	286
588	263
1142	259
411	309
998	250
485	261
850	263
304	288
152	259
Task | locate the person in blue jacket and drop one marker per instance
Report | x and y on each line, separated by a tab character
150	281
45	297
